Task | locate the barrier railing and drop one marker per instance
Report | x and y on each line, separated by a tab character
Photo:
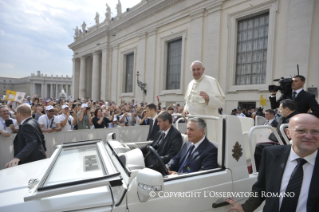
123	134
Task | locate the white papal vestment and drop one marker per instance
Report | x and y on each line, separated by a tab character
196	105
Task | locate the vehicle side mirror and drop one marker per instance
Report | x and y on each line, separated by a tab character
149	183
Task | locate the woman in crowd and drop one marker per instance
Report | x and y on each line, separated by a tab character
100	120
143	119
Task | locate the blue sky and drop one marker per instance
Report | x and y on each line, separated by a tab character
35	34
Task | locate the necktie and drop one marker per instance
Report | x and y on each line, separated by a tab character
294	186
266	123
189	153
294	95
161	138
151	124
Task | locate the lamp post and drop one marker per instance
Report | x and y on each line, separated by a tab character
142	85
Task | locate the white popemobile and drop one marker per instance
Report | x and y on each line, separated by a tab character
111	176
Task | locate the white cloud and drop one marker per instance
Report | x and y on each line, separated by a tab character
6	65
35	34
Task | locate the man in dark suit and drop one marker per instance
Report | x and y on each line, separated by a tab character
289	169
154	128
287	110
168	141
270	116
29	143
304	99
197	154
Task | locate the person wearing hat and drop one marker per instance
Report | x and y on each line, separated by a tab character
48	123
28	101
66	119
240	112
84	120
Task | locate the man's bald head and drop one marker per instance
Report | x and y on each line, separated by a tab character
303	117
303	130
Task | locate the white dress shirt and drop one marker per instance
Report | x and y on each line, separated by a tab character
297	92
307	169
198	143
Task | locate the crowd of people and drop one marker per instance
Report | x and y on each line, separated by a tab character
63	115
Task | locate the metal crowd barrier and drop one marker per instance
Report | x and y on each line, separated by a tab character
123	134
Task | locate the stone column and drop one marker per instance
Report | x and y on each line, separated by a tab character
114	82
95	76
56	91
42	90
75	78
103	74
82	77
51	90
195	37
66	90
300	18
140	67
150	65
212	41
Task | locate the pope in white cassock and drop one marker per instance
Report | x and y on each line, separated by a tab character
203	97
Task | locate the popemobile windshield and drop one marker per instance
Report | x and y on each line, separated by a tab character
97	175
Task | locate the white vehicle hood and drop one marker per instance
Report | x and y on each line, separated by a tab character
14	186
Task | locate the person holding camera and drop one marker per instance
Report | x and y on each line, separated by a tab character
49	123
66	118
304	99
7	125
84	120
102	118
128	118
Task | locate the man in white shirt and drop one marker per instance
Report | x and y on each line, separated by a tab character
5	129
49	123
128	118
289	169
66	119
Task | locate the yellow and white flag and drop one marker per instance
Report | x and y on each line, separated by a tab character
15	96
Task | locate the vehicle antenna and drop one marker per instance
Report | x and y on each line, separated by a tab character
298	69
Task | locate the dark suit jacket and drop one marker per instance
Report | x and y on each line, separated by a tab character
29	143
169	147
204	157
282	120
272	168
304	100
274	123
152	130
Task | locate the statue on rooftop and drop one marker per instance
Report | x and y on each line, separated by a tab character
83	26
76	33
108	13
119	8
97	18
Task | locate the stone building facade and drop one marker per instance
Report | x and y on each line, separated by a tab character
245	45
43	85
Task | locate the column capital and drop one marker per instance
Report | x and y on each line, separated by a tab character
152	31
83	57
115	45
96	53
141	35
197	14
216	6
